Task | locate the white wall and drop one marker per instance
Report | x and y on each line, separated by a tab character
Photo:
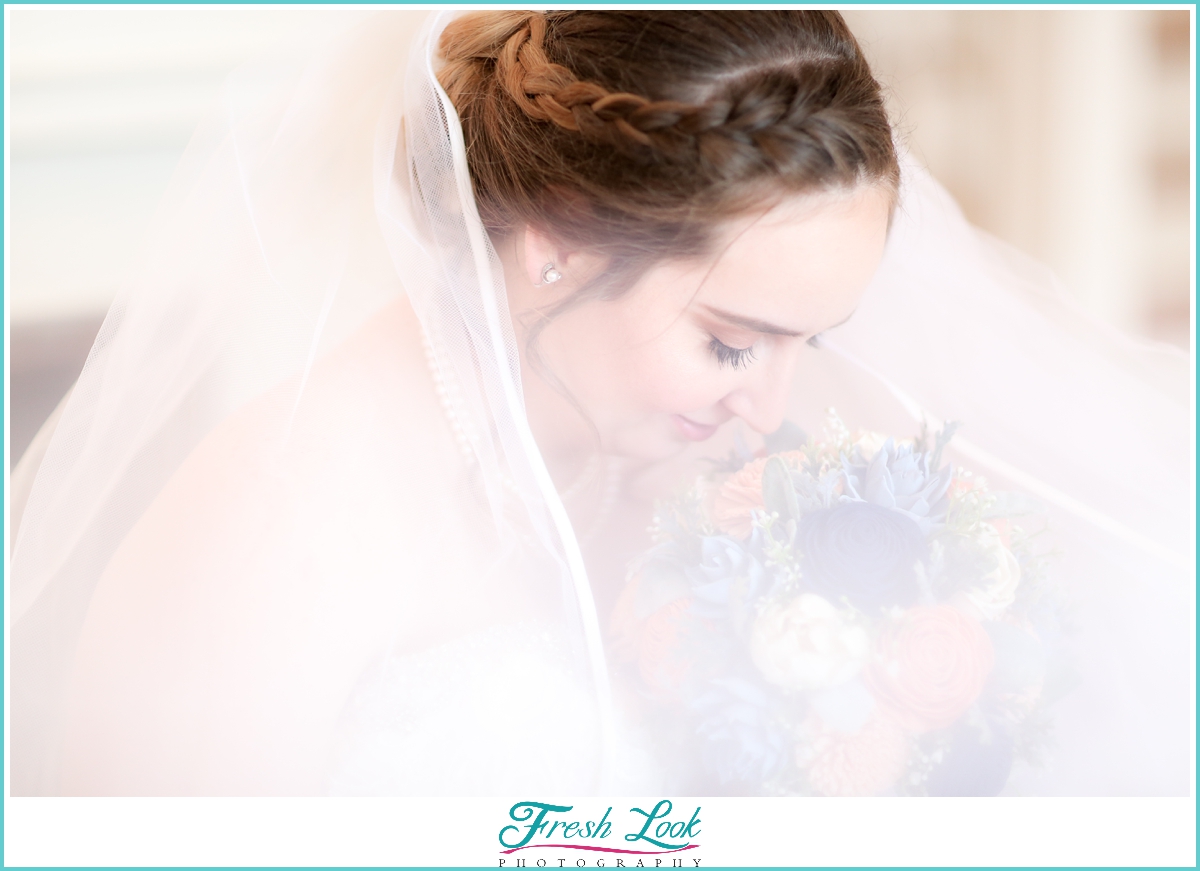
1065	132
101	104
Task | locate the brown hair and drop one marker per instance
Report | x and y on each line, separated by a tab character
635	133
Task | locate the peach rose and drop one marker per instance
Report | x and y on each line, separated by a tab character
663	656
930	665
866	762
741	495
738	498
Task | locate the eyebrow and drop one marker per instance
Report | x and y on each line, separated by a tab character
757	326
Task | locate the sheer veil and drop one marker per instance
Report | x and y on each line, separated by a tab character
1092	425
328	186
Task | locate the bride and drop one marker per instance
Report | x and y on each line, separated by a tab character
347	491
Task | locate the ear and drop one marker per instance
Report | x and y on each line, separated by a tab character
539	249
578	267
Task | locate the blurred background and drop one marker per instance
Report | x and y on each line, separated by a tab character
1064	132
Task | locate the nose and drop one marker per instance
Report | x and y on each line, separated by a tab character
761	397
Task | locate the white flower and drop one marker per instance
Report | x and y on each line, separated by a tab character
808	644
998	588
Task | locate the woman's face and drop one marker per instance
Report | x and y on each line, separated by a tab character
694	345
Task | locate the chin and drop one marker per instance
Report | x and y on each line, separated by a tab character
647	447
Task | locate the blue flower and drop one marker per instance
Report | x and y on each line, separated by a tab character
899	477
721	559
741	741
862	552
725	566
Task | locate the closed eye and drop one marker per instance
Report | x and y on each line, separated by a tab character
735	358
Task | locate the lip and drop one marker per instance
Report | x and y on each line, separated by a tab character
692	431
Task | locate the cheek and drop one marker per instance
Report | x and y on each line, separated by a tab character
633	357
673	373
619	368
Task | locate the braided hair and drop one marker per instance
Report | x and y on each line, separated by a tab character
635	133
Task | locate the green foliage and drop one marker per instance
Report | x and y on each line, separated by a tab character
957	562
779	494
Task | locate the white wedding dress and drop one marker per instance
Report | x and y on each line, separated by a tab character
274	546
414	726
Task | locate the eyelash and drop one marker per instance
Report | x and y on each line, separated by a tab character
735	358
739	357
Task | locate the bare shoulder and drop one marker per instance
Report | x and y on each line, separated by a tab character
292	547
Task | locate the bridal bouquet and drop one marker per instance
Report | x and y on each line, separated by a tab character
847	617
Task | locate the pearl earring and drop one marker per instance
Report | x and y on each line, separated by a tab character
549	275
